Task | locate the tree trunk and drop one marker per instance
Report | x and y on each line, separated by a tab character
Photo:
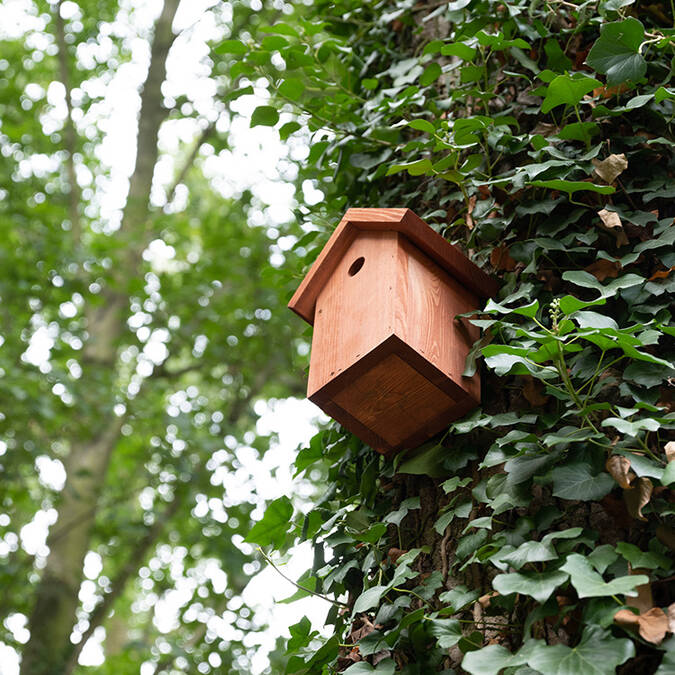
53	616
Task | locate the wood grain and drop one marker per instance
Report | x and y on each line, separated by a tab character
447	256
354	314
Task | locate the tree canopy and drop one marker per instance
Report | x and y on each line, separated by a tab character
536	534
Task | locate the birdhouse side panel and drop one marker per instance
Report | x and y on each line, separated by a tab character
428	299
355	309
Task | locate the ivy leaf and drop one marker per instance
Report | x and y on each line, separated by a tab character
397	516
598	653
567	90
369	598
447	632
589	584
587	280
492	659
575	481
632	428
538	585
669	474
265	116
386	667
616	53
572	186
272	528
459	597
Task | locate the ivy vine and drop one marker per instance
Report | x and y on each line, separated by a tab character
537	534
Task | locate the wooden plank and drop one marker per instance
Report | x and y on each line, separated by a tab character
355	308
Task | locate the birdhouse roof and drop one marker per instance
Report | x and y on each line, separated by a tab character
447	256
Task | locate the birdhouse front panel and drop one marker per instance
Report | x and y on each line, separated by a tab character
387	353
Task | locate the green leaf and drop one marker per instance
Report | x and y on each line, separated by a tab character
568	90
422	125
528	310
416	168
669	474
428	461
644	559
632	428
492	660
292	88
273	42
594	320
369	598
272	528
431	73
395	517
231	47
538	585
587	280
447	632
385	667
575	481
300	635
579	131
264	115
570	304
459	49
589	584
530	551
572	186
459	597
616	52
598	653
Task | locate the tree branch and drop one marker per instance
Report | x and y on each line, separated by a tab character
132	565
171	192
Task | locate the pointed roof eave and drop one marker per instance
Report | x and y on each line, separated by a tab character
447	256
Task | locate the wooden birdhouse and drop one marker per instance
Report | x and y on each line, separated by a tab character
387	353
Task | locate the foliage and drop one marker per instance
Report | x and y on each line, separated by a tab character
538	137
161	333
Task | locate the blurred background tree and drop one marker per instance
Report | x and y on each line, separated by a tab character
142	320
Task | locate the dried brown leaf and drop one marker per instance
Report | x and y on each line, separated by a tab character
670	451
611	168
484	600
653	625
501	259
661	274
612	222
618	468
533	391
610	218
638	496
471	207
603	269
644	600
626	619
394	554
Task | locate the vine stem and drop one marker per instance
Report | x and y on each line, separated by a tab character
297	585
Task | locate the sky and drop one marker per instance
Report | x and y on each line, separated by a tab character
258	162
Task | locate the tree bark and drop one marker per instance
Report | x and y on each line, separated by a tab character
51	622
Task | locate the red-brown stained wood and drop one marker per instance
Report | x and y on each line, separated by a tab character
387	352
